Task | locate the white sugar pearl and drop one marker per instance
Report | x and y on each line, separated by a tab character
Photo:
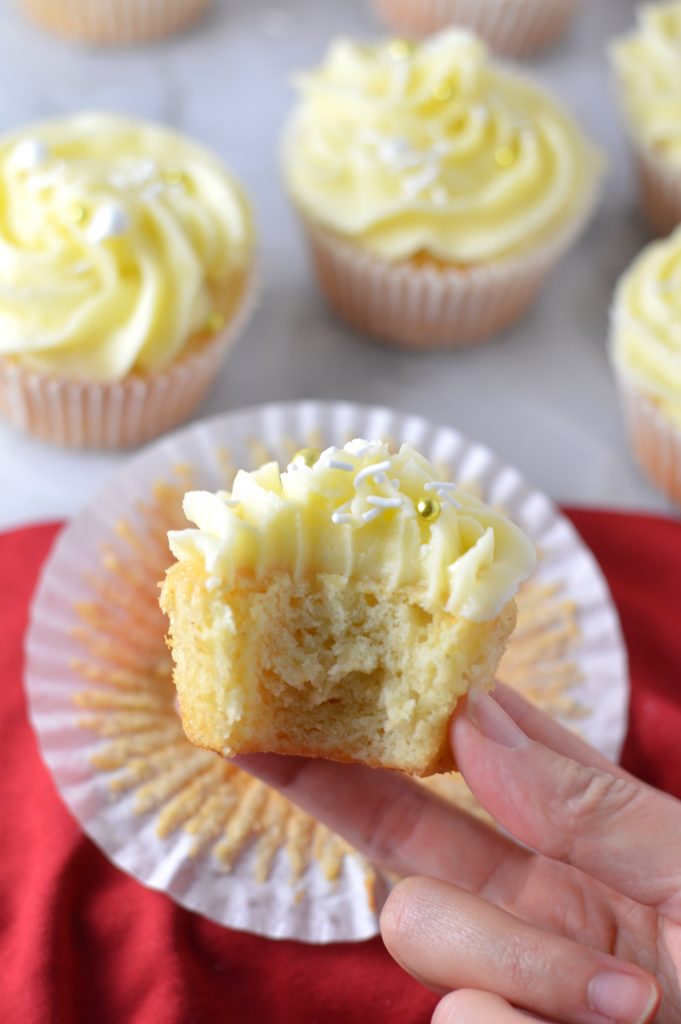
29	154
109	221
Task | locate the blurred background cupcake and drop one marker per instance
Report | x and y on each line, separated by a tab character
126	271
436	189
647	67
646	355
515	27
115	21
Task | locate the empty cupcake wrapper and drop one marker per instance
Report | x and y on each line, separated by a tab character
514	27
115	21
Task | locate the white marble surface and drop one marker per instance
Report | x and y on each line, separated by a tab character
542	396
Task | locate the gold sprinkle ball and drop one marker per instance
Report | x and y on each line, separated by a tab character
174	177
215	322
308	456
504	156
77	214
400	49
428	509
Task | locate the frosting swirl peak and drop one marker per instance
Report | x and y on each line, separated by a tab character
120	242
361	511
431	148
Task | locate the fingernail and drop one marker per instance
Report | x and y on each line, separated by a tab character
622	997
492	721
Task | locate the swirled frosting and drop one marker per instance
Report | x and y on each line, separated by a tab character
120	241
648	69
431	149
360	511
646	323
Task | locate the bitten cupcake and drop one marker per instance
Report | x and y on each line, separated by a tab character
115	21
646	354
515	27
339	609
647	67
436	189
126	271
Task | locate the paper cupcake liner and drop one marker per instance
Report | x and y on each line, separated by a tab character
514	27
655	439
421	305
118	414
115	21
659	190
187	822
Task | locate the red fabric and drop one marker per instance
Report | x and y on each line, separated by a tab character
82	942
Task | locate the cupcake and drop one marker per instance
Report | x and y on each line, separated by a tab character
339	609
126	267
516	27
647	67
115	21
436	189
646	354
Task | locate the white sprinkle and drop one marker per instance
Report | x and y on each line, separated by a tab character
380	478
380	502
359	447
398	155
421	180
439	485
152	191
378	467
341	517
347	467
450	501
29	154
110	221
328	452
212	583
372	513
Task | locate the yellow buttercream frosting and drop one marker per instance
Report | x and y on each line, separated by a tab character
120	242
648	68
361	511
646	324
431	148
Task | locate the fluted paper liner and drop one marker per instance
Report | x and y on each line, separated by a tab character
659	187
115	21
513	27
655	438
187	822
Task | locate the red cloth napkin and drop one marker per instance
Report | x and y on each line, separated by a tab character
80	941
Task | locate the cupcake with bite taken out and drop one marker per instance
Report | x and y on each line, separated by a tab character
126	273
436	189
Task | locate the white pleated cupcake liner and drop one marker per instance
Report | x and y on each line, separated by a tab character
513	27
421	305
118	414
659	190
79	598
115	21
655	438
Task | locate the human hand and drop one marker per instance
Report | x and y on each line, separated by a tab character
574	929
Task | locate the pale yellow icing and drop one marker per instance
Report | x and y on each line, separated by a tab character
646	324
432	148
648	68
118	240
354	513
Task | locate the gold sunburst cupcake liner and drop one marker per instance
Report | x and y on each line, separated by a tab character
655	439
182	819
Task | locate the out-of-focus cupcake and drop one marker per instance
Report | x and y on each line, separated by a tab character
436	189
115	21
515	27
126	271
646	354
648	75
